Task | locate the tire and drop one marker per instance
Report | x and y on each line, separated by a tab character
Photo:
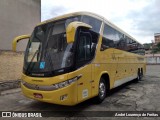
141	73
139	76
101	91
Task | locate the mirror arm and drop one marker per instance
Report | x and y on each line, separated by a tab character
17	39
71	30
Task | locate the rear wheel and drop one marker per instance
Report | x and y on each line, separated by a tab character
139	76
141	72
102	91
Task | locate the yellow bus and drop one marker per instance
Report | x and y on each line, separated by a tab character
78	56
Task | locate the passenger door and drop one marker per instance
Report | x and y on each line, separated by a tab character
83	65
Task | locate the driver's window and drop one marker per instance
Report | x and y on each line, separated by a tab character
84	49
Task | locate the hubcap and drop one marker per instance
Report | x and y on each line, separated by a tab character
101	90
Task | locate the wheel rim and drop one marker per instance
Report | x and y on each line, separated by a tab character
102	89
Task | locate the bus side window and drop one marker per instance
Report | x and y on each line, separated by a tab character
108	38
95	23
106	43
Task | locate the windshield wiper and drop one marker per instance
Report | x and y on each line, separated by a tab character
50	60
31	61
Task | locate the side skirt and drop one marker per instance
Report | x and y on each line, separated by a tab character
124	80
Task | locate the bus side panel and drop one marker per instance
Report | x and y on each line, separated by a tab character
104	64
83	83
128	65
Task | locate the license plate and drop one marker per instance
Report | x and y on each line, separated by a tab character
38	95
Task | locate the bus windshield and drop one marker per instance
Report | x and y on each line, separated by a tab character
47	49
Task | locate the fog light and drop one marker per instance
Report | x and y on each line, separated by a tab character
63	97
38	95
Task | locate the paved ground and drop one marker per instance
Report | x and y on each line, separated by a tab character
141	96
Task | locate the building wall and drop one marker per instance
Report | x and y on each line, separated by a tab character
157	38
152	59
17	17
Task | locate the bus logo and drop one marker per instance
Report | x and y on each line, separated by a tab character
42	65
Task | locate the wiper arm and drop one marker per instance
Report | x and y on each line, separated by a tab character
50	60
32	60
38	38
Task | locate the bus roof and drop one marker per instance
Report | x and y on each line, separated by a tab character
92	15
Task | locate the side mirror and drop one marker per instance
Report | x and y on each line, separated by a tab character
17	39
71	30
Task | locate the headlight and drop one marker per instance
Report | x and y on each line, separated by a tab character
67	82
72	80
63	84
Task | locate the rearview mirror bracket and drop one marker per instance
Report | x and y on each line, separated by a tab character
17	39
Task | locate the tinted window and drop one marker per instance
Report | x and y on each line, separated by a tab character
108	36
115	39
108	43
121	41
84	49
109	33
72	19
95	23
86	46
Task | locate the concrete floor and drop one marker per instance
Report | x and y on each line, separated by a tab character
141	96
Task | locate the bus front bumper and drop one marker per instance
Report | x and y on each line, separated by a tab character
62	96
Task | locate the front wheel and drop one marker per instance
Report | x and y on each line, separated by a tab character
101	92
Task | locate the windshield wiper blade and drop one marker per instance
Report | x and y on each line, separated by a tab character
50	60
31	60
